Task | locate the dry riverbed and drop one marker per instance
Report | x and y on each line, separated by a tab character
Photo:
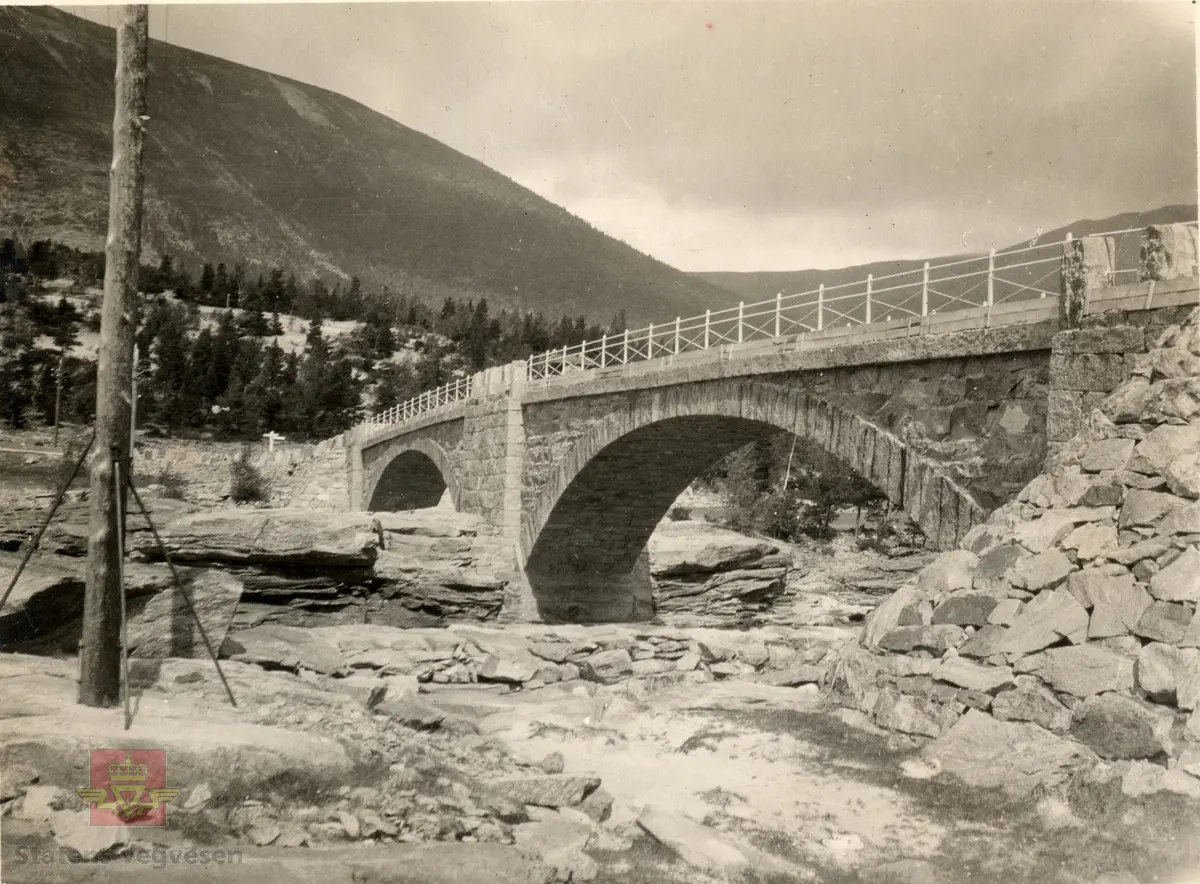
740	780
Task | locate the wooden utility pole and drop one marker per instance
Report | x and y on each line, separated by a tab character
100	650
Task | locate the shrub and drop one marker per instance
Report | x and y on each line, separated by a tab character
173	483
248	484
679	514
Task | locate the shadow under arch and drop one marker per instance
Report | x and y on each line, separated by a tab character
584	536
417	476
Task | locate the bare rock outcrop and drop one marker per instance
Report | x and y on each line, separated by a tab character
708	576
44	613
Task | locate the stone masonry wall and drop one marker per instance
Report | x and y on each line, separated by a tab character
322	483
1089	362
205	466
484	447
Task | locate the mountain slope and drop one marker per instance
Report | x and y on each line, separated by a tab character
241	164
763	286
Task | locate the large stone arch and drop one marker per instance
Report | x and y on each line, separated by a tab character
584	535
415	475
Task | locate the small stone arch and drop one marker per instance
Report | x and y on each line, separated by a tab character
416	475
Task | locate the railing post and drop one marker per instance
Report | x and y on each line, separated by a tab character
604	350
625	349
1068	239
778	310
1087	265
564	361
925	291
991	288
821	306
676	335
707	322
650	342
741	310
870	281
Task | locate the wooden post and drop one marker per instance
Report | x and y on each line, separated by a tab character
604	350
650	342
625	349
707	321
778	310
676	335
870	280
925	291
821	306
100	647
741	311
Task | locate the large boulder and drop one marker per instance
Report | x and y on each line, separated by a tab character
437	566
1179	581
704	575
717	854
1015	757
546	791
1164	671
1082	670
1116	726
607	667
1032	701
913	715
1047	619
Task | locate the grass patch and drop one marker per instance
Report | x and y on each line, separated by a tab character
706	739
719	797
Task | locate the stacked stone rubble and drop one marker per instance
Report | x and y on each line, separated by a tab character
1074	607
363	658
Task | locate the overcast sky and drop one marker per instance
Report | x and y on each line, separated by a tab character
769	136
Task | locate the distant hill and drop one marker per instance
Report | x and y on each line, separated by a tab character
244	165
763	286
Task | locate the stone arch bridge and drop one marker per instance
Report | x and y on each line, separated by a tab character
948	417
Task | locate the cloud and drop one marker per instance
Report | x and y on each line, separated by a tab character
742	127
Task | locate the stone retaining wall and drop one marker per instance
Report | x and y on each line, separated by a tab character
205	466
1074	608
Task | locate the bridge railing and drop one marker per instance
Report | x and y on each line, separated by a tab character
1029	273
455	391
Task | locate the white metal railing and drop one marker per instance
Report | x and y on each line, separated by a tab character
455	391
1028	273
